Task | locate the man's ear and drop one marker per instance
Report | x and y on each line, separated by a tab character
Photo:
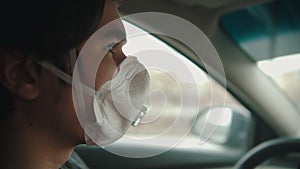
19	74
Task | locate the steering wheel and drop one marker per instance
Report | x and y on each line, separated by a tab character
268	149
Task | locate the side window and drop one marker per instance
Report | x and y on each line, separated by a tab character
166	116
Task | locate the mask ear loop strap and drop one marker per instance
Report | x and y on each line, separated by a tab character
64	76
55	71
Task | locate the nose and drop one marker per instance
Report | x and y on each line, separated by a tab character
117	52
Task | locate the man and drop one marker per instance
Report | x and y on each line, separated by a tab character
39	126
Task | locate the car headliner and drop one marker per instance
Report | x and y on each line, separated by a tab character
244	79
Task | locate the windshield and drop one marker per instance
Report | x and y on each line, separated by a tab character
269	34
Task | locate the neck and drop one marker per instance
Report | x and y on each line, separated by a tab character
27	147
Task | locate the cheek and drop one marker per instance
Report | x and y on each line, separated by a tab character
54	111
68	117
105	71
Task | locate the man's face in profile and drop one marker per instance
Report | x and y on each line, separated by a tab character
105	72
46	104
43	128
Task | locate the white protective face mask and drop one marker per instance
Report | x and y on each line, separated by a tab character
118	104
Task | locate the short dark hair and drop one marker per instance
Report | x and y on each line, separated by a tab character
47	29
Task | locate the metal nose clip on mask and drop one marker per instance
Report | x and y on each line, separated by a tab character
118	104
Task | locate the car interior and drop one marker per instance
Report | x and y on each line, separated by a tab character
261	110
